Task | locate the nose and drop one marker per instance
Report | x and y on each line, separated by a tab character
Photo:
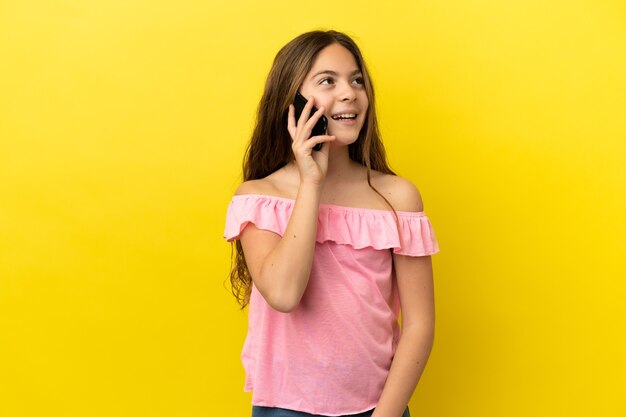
347	93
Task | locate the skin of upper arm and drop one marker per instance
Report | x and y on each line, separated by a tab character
414	275
257	244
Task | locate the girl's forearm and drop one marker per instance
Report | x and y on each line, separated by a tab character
288	265
407	366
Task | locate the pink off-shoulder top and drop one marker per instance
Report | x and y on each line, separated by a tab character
332	353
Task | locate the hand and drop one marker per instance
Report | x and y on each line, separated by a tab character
312	165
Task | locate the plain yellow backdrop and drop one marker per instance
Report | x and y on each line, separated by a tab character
122	128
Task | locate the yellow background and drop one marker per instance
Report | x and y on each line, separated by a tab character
122	128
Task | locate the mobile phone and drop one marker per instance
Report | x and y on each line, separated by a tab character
322	123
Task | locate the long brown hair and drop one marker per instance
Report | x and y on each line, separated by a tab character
270	146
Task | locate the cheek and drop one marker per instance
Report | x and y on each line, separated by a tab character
364	107
364	100
321	101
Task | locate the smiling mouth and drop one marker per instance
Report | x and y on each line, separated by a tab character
345	122
345	118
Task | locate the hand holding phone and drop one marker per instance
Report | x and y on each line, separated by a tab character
322	123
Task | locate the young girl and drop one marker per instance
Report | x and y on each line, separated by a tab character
331	244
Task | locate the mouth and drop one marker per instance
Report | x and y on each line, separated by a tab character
346	119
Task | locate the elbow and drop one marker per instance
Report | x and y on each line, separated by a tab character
424	331
283	308
282	301
279	294
279	289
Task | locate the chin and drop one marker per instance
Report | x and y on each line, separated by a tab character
344	140
343	137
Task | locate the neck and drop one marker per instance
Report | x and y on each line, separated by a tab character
340	166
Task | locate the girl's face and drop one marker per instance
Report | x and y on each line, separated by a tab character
337	84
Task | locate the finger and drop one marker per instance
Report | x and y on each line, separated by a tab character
325	148
291	122
306	111
314	140
316	116
305	128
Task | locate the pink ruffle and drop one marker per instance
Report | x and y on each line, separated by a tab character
358	227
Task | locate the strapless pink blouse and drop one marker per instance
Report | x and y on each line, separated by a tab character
332	353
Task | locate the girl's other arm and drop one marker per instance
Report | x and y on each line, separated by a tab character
414	277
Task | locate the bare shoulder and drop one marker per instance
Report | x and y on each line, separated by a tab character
401	192
278	183
259	186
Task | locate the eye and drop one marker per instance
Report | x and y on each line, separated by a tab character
324	79
359	80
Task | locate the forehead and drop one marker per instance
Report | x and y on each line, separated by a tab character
334	57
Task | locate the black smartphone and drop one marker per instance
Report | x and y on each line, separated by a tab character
322	123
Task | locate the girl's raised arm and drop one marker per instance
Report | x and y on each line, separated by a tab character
280	266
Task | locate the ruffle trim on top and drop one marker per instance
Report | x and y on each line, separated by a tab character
358	227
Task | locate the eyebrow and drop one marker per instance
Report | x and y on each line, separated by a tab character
356	71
